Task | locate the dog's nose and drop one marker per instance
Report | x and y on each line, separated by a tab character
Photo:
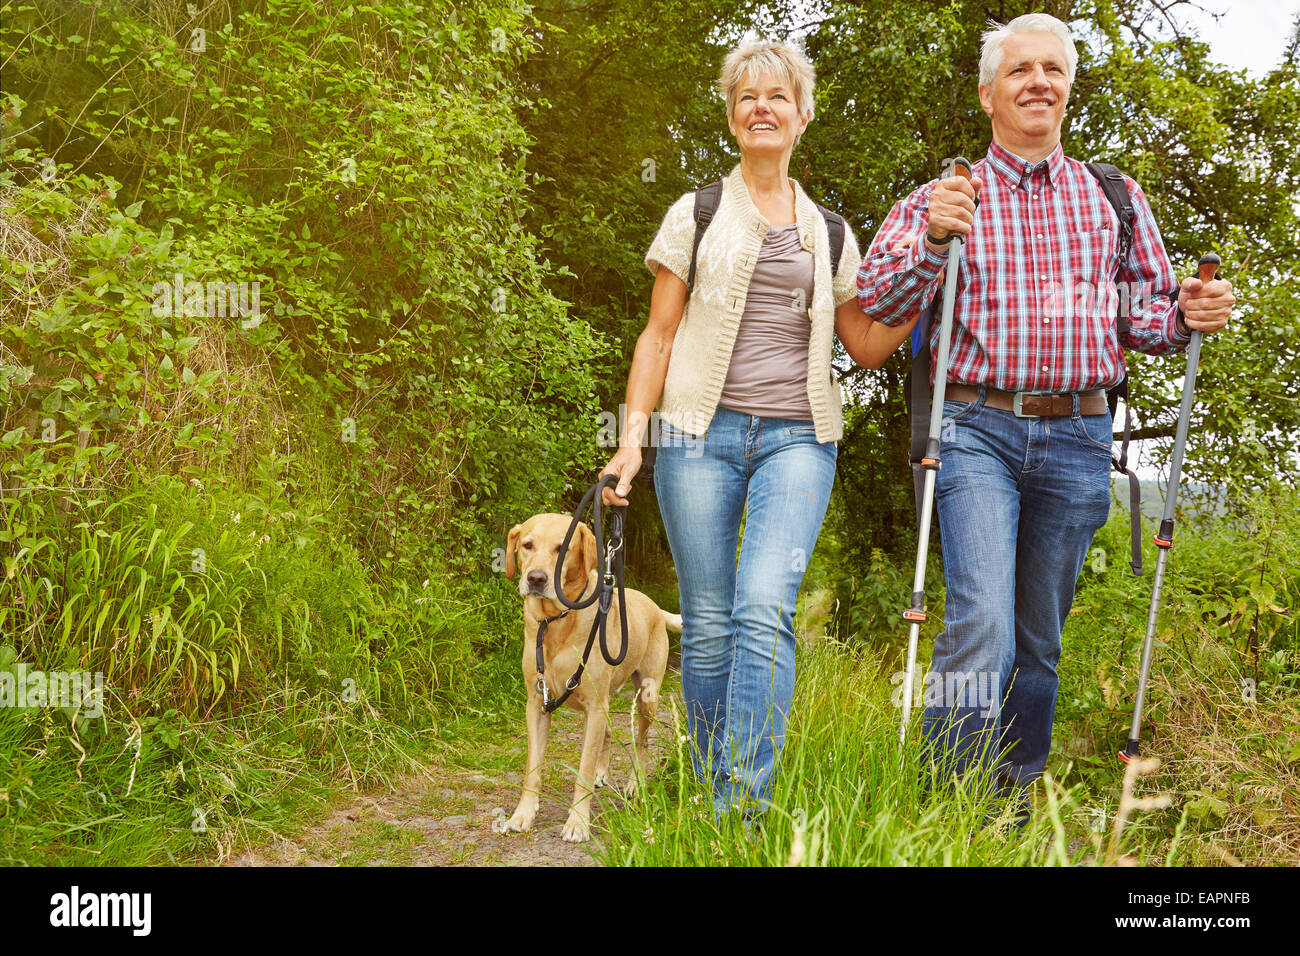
536	579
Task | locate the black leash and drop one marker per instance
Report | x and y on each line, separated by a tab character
609	568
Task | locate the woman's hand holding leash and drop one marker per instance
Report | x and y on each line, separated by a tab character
625	463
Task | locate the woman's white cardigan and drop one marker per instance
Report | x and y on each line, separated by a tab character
701	354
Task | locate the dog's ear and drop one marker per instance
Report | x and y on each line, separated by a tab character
512	543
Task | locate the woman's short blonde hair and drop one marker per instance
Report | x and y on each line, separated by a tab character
784	61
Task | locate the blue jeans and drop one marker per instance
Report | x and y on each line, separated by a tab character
1018	502
738	614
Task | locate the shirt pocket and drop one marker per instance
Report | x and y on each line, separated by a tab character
1097	246
1090	292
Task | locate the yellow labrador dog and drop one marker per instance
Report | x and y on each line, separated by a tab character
534	546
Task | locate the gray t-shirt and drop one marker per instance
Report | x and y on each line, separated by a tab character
768	374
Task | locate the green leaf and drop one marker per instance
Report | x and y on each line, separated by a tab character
1207	807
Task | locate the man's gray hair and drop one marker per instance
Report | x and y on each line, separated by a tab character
991	53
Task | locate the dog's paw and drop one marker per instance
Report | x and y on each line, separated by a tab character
629	788
576	828
600	779
521	822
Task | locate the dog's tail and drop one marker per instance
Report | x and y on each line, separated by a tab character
673	622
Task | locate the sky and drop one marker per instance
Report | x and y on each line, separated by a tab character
1251	33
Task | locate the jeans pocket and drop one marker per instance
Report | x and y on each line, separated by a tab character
692	446
956	411
1094	433
801	431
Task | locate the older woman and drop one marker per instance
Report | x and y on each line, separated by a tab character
749	417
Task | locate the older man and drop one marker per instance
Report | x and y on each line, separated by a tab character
1025	480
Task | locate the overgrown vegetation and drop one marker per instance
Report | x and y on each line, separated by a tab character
305	303
1221	721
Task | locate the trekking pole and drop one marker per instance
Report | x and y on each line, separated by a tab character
1205	271
915	615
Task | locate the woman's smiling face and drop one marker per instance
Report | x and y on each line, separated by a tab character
765	118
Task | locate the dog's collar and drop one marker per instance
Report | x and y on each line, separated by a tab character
539	614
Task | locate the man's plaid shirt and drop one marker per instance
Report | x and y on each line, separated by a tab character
1040	282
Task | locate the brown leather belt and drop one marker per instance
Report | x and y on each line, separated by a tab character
1032	404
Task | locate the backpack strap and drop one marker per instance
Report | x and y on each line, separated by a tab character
707	199
1116	190
1117	194
835	228
706	204
1120	464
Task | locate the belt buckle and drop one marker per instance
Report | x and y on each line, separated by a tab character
1016	406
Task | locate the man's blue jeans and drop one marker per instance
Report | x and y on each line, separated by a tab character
1018	502
738	614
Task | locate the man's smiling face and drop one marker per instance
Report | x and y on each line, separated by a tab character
1027	97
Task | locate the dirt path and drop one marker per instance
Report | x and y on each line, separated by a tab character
444	816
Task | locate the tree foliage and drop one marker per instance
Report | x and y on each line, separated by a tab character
445	209
362	168
1214	150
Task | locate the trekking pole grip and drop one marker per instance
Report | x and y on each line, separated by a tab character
1208	267
961	167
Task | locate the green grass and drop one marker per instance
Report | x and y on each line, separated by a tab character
243	695
347	682
847	794
171	789
1225	789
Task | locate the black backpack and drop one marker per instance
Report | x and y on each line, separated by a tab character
707	199
917	385
706	204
